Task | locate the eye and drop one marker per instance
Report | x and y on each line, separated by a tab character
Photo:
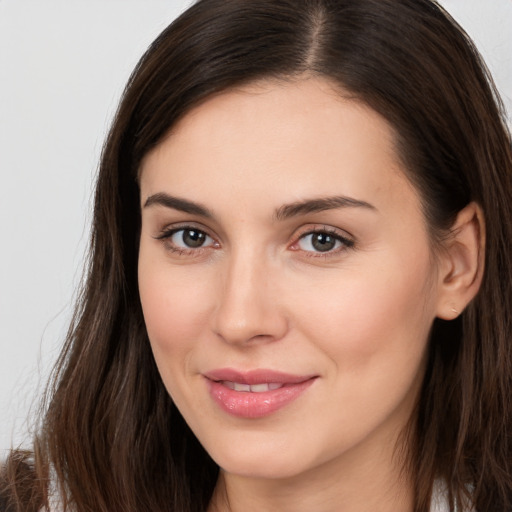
322	241
189	238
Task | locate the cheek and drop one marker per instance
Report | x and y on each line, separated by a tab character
175	306
385	308
373	327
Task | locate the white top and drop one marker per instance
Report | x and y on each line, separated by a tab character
439	501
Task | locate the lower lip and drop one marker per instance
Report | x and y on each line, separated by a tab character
245	404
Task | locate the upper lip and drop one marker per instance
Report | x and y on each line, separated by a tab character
258	376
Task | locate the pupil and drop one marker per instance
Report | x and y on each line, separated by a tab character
323	242
193	238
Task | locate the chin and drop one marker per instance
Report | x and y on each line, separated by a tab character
263	459
263	468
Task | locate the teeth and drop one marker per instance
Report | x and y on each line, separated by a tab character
254	388
259	388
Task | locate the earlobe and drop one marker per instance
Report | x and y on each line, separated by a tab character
462	263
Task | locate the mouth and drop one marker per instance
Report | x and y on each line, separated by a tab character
254	388
257	393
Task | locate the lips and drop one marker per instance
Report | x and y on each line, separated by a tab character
257	393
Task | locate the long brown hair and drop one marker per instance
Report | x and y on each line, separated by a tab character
111	438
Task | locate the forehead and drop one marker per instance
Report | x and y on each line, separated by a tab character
281	141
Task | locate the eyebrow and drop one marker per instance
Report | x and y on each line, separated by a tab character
319	205
176	203
282	213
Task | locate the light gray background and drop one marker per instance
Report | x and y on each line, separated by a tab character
63	65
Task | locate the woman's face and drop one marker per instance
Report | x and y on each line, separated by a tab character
286	279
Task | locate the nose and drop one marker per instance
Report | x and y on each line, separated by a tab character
249	309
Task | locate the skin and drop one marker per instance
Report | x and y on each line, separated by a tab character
257	294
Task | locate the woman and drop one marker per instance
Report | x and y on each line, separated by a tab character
300	275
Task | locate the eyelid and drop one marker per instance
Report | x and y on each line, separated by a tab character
169	231
347	240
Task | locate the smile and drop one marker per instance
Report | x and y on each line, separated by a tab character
255	394
254	388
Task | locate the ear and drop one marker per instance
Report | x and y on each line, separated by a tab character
461	262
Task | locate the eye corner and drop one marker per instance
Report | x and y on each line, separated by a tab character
294	246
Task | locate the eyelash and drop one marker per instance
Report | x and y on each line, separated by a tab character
344	242
166	235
